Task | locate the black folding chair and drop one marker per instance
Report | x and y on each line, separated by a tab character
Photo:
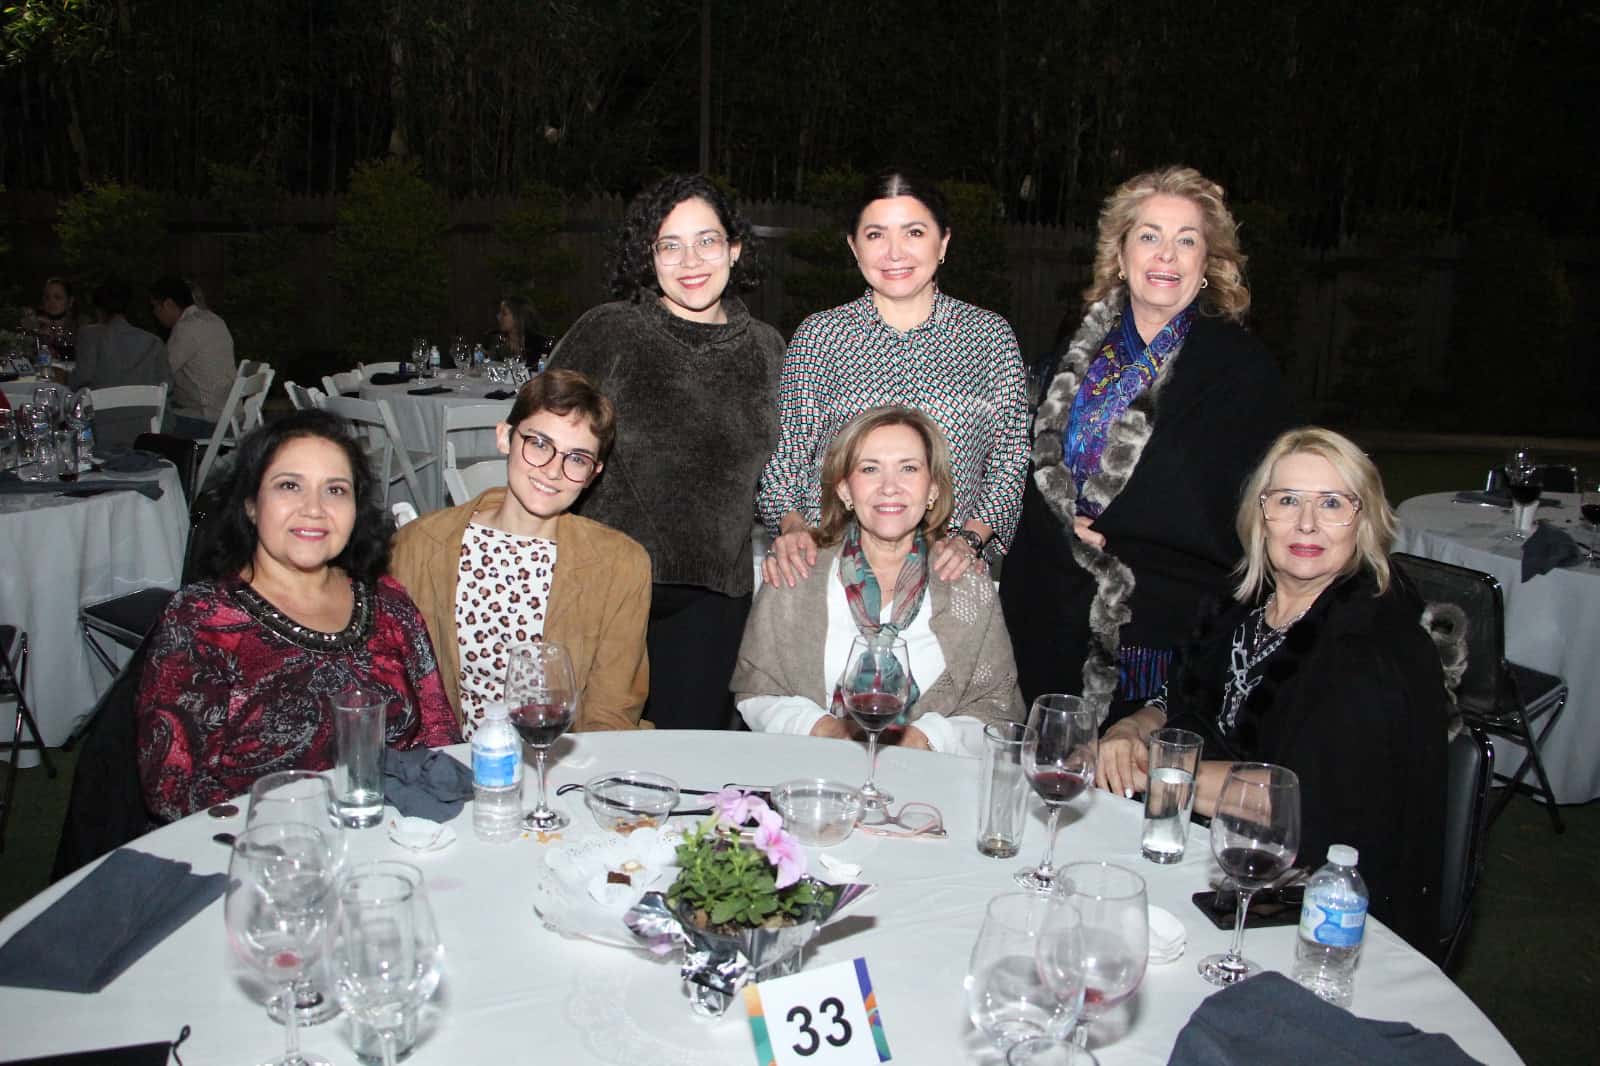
14	686
1469	773
1496	695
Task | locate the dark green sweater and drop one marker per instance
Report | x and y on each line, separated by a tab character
696	420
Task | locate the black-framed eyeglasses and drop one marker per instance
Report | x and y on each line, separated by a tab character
1327	508
708	248
577	466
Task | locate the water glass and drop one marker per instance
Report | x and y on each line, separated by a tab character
359	716
37	460
1169	797
1003	791
8	439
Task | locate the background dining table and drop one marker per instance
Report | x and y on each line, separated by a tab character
63	553
1552	621
515	990
420	420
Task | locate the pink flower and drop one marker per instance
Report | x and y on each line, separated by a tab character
781	849
735	807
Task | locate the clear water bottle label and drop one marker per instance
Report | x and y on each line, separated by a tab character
495	769
1334	927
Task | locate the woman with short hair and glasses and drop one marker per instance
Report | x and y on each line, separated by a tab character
694	379
513	567
1320	664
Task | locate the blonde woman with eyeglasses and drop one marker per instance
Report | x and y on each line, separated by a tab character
1320	663
695	382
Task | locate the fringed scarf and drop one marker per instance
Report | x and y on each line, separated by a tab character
865	598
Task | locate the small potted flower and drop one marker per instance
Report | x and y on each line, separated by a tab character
742	906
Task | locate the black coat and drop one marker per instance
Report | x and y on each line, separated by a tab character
1172	524
1354	703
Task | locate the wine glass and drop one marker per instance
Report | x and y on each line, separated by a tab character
1113	919
1008	998
1255	835
876	688
1589	508
1058	756
280	888
304	797
366	1040
385	954
543	698
1044	1051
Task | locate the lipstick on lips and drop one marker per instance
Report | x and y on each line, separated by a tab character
1306	551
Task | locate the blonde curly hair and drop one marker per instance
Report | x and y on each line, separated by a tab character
1226	294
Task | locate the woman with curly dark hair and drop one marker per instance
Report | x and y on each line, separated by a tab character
694	380
291	610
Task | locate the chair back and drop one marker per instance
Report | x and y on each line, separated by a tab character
1469	770
1480	598
303	398
345	383
376	421
241	412
1553	477
181	452
464	483
473	417
152	397
403	512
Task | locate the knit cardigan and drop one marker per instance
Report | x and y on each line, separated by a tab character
696	419
782	652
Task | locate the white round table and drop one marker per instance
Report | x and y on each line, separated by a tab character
63	553
514	991
420	420
1552	622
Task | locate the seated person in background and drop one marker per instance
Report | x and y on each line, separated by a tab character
291	611
517	334
114	353
1321	665
55	322
514	567
200	351
886	499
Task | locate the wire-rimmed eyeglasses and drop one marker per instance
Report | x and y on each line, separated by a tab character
708	248
577	466
1327	508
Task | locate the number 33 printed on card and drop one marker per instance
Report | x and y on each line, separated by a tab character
823	1017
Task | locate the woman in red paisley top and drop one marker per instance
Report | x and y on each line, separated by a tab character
292	610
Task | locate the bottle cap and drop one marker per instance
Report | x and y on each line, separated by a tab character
1343	854
496	709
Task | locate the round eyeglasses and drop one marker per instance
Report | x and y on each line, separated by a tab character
576	466
1327	508
708	248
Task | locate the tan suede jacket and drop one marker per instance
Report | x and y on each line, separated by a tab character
599	604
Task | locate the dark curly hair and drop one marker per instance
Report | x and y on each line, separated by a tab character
633	258
232	540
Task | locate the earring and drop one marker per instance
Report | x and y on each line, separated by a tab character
1204	282
849	505
1121	276
941	260
931	499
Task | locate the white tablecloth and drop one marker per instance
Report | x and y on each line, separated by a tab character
62	553
515	991
1552	622
420	420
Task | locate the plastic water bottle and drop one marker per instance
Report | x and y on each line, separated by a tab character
435	361
80	418
496	777
1333	918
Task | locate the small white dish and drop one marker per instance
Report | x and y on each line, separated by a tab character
839	873
574	897
421	834
1167	936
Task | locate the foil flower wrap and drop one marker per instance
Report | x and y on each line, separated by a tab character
716	965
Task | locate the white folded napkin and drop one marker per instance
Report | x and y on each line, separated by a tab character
1167	936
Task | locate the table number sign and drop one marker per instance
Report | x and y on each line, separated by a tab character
823	1017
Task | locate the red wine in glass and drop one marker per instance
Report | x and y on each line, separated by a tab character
874	711
1253	867
1525	492
540	724
1591	513
1056	785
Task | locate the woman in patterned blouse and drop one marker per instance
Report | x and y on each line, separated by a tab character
902	342
291	611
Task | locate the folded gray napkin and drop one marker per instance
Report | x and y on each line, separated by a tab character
127	461
11	485
1499	499
106	922
1269	1018
1547	549
424	783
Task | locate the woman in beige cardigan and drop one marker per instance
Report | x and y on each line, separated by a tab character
512	566
887	494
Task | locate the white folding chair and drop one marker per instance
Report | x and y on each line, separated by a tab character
345	383
241	412
403	513
150	397
461	418
464	483
302	398
384	444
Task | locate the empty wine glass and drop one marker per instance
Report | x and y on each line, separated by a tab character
1112	917
876	688
1045	1051
543	697
280	889
384	953
1008	998
304	797
367	1041
1255	835
1058	756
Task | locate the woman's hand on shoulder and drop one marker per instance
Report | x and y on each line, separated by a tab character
790	559
952	557
829	726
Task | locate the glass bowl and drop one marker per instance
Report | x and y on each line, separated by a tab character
625	800
818	812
